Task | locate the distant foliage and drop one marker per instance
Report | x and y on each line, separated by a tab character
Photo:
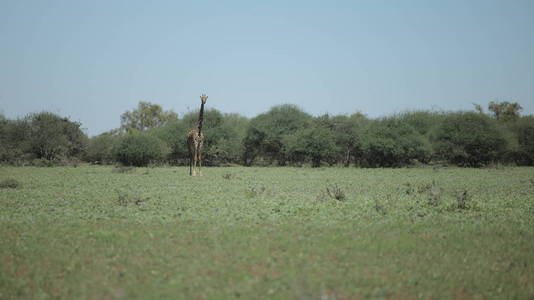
100	148
140	149
266	133
14	141
174	135
9	183
505	111
43	136
523	131
284	135
468	139
393	143
314	143
223	133
349	133
335	192
424	122
146	116
43	163
52	137
120	169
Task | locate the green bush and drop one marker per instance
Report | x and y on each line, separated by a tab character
100	148
123	169
468	139
314	143
43	162
393	143
223	133
511	152
523	130
349	134
52	137
421	120
14	142
174	134
140	149
39	136
9	183
266	132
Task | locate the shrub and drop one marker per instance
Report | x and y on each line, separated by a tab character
100	148
380	206
349	133
224	134
43	162
256	190
123	169
54	138
511	150
228	176
468	139
124	199
41	135
13	141
9	183
146	116
335	192
314	143
420	120
435	194
140	149
463	199
266	133
523	129
174	135
393	143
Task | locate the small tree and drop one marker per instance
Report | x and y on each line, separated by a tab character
100	148
234	128
392	143
266	133
424	122
315	143
223	135
505	111
349	133
14	141
52	137
140	149
468	139
523	130
174	135
146	116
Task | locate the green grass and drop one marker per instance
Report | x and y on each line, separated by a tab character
92	233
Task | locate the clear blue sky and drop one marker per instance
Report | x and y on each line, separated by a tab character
93	60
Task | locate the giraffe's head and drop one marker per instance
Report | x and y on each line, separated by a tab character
203	98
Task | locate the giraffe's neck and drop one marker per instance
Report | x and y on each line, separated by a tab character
200	118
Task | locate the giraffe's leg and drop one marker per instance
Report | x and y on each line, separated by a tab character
199	163
195	164
191	165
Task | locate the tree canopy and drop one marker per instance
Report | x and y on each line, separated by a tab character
283	135
505	111
146	116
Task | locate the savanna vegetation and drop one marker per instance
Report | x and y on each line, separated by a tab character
120	218
283	136
103	232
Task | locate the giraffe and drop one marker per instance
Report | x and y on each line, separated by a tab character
195	139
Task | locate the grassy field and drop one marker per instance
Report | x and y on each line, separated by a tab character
148	233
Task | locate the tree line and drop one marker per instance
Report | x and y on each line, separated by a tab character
283	136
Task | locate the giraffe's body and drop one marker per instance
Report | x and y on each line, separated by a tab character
194	143
195	139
